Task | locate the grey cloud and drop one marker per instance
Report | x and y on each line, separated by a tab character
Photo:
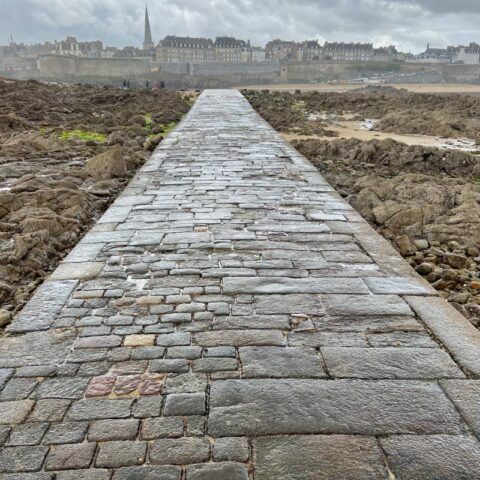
445	6
408	23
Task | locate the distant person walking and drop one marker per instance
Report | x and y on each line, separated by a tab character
124	84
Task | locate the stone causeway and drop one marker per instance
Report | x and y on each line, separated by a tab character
231	317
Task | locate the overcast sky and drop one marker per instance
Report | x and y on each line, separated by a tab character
410	24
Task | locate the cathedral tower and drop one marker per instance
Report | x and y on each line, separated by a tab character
147	38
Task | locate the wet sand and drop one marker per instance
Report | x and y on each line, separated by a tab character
353	129
412	87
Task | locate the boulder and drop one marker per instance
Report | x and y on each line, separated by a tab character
6	291
138	120
12	122
110	164
151	144
424	268
405	245
421	244
5	317
9	202
118	137
455	260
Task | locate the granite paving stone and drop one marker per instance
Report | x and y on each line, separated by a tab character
169	366
163	472
35	348
399	286
251	322
323	457
187	383
185	404
443	457
179	451
15	412
27	476
5	375
147	407
390	362
18	389
281	362
262	285
22	459
66	432
231	317
217	471
214	364
401	339
235	449
40	312
287	406
195	426
99	409
90	474
4	433
74	456
162	427
458	335
227	352
465	394
107	430
49	410
371	305
189	353
27	434
81	270
121	454
238	338
64	388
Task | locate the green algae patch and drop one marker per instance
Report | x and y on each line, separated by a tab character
82	135
148	121
167	128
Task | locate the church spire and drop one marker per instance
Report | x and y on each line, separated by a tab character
147	38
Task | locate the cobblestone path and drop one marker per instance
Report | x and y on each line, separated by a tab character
230	317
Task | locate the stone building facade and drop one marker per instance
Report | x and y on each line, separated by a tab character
134	53
71	46
312	51
468	55
434	55
385	54
173	49
280	50
231	50
340	51
309	51
258	54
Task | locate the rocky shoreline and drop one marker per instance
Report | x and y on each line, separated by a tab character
66	151
395	110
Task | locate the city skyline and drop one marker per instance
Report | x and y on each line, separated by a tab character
51	20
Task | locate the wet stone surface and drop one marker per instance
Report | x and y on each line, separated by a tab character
236	324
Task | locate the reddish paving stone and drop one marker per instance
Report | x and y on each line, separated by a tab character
100	386
152	384
126	384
